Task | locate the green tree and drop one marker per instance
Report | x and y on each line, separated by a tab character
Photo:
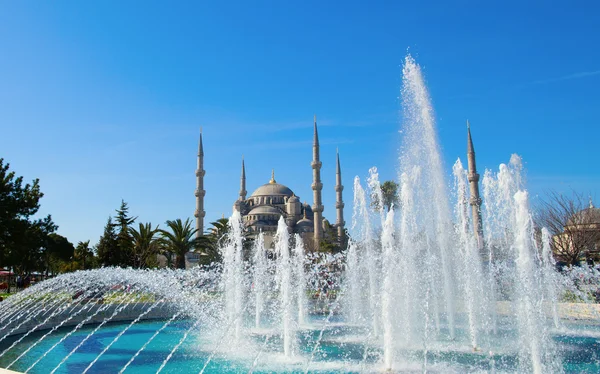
389	190
180	240
209	243
58	250
145	246
22	239
124	239
107	249
389	194
84	256
330	242
29	241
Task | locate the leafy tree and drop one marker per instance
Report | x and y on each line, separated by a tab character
21	239
180	240
124	240
389	190
145	246
29	241
389	194
107	249
58	250
330	242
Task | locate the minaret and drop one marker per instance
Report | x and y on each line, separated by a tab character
243	182
339	203
475	200
200	213
317	186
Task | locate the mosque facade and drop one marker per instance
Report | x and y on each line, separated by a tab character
262	210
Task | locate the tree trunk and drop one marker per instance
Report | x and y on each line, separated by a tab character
180	262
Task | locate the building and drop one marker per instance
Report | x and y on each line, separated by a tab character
580	238
262	209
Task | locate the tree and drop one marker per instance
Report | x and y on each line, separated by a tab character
29	241
208	244
180	240
573	224
84	256
389	192
124	240
145	246
107	249
21	238
58	249
220	228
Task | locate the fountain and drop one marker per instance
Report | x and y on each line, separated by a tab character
414	291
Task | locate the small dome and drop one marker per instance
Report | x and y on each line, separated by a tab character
305	222
588	216
293	199
272	189
265	209
305	225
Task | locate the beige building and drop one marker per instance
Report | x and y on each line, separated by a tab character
581	236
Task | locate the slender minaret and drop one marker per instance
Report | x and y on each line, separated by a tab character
200	213
475	200
317	186
339	203
243	182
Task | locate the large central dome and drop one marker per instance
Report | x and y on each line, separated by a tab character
272	189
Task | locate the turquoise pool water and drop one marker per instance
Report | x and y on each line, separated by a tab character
339	350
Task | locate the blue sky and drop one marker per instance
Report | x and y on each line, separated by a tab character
103	101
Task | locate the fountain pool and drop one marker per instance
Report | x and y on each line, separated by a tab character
342	349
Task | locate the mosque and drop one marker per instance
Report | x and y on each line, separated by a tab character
262	210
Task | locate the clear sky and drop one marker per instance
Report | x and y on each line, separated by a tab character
103	100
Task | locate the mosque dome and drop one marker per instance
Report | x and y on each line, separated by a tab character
272	189
305	225
265	209
264	213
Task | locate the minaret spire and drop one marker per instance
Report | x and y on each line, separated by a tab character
317	186
200	192
339	203
243	182
475	200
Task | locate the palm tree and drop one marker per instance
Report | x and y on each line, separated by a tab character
83	254
145	245
209	243
219	228
180	240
